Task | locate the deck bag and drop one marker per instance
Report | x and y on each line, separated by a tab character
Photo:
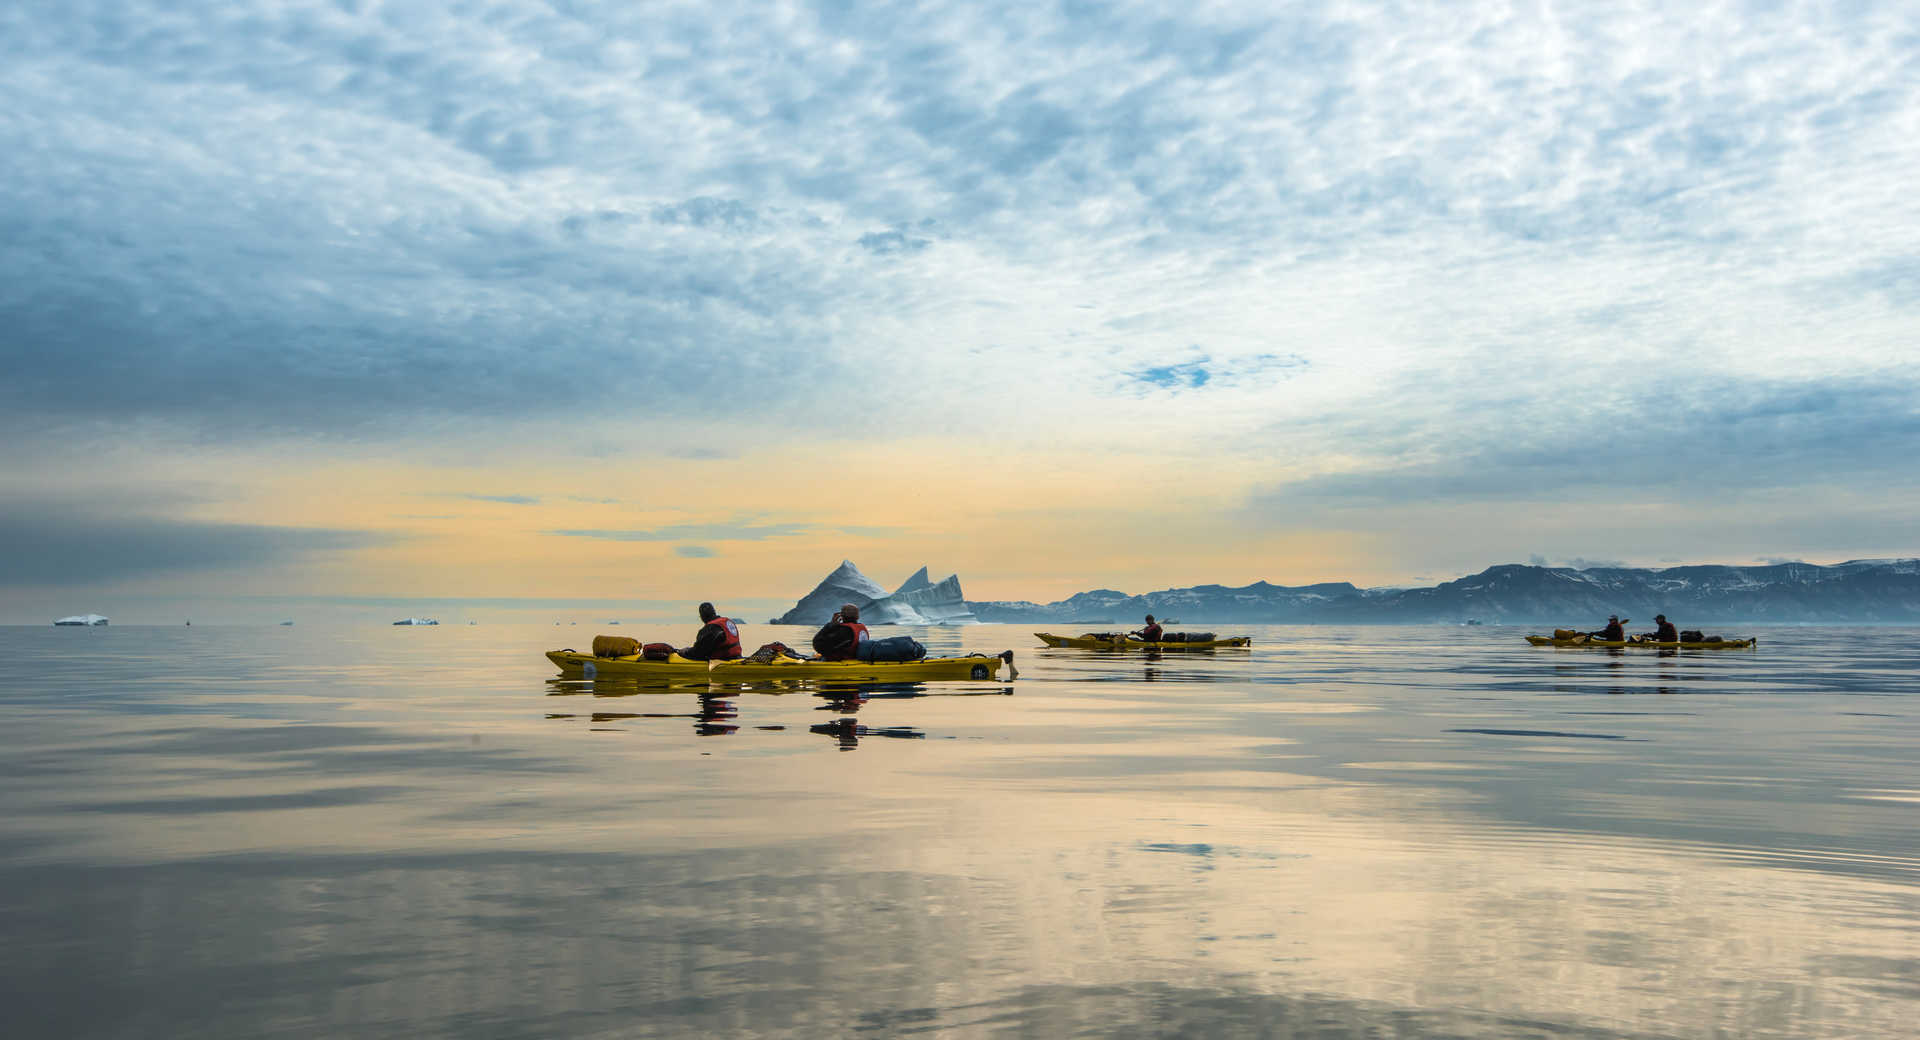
892	648
1187	637
615	646
1692	635
1565	633
657	651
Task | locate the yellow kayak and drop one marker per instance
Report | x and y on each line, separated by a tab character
633	666
1091	641
1717	644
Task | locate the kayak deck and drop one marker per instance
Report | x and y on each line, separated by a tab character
1093	642
974	666
1718	644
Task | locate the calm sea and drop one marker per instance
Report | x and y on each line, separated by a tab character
1342	832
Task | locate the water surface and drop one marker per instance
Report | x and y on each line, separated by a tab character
226	832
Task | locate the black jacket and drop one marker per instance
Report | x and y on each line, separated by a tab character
710	645
837	641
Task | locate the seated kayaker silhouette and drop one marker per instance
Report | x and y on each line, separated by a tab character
717	640
1615	632
1664	631
1151	633
840	638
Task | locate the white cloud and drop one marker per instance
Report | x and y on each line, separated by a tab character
1477	225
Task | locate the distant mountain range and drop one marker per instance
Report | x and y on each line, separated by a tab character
1855	591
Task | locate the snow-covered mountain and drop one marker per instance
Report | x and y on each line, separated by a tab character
918	601
1858	590
1257	602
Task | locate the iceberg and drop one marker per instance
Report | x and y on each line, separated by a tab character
845	585
931	602
82	619
918	601
416	621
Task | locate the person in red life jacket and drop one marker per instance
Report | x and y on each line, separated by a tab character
1615	632
719	638
1151	633
1663	631
840	639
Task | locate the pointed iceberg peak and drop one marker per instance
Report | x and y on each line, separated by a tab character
918	581
844	585
847	576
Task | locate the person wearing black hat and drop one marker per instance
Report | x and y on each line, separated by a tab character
1663	631
718	640
1615	632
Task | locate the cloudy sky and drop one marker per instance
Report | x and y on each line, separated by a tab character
521	306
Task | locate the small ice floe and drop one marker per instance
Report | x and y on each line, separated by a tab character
416	621
82	619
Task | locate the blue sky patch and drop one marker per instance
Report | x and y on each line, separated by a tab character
1193	374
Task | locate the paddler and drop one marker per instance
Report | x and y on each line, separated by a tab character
1149	634
1663	631
718	639
840	639
1615	632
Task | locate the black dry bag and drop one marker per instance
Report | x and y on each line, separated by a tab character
892	648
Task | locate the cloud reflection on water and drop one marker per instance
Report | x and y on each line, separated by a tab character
1399	833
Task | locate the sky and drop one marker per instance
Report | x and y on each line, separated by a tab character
567	308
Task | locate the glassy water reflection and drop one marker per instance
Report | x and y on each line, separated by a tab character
1339	832
715	708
